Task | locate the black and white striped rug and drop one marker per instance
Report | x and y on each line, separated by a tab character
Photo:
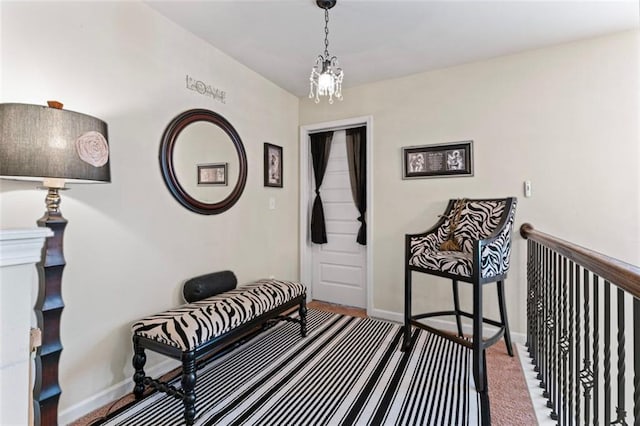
347	371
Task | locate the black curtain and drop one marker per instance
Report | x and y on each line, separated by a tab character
357	159
320	148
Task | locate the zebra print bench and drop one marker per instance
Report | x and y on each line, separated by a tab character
190	331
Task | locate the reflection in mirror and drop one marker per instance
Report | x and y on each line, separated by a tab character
203	161
199	144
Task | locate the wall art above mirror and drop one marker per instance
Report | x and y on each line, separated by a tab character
203	161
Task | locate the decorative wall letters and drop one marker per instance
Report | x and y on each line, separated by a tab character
206	89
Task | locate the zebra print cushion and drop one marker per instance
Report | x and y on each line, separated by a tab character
453	262
193	324
478	220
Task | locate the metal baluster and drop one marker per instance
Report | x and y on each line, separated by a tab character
578	307
538	313
596	351
540	318
543	327
529	280
530	297
585	374
564	343
535	314
541	321
536	310
553	339
607	353
559	340
572	342
621	413
529	285
553	334
636	361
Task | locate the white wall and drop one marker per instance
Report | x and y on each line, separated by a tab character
564	117
129	245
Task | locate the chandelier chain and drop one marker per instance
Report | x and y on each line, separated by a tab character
326	34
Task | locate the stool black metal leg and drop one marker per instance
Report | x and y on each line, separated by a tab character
139	359
406	339
485	406
503	317
456	306
189	386
479	360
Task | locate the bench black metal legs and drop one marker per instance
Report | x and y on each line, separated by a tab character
302	313
188	392
189	386
139	360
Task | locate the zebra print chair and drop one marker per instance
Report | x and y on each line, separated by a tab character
470	243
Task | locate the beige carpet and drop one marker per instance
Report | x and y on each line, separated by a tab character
510	401
508	393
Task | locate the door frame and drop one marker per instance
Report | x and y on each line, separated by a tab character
306	204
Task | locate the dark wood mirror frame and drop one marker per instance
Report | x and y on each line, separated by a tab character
167	145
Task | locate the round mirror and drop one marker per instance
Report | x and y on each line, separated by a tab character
203	161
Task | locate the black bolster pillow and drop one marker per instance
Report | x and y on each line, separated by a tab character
208	285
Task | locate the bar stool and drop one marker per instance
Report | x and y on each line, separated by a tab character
470	243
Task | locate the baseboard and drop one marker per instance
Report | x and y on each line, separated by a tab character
112	393
538	401
439	323
386	315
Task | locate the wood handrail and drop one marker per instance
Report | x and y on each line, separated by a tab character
622	274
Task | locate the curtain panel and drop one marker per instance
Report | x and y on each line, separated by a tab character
320	149
357	159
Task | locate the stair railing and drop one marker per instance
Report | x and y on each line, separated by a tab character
580	339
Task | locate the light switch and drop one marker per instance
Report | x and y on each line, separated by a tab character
272	203
527	188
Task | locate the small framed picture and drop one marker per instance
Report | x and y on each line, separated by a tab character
212	174
442	160
272	165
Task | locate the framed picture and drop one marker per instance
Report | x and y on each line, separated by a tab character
443	160
272	165
212	174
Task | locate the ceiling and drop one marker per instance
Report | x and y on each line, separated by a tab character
378	40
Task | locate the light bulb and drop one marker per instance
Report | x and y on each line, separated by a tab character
326	83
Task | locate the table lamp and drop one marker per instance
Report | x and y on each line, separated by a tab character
52	146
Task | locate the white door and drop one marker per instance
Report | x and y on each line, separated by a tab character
339	266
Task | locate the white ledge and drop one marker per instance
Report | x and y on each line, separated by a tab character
22	246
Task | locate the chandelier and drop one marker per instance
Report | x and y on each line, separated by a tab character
326	75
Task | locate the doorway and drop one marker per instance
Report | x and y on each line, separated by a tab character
340	270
